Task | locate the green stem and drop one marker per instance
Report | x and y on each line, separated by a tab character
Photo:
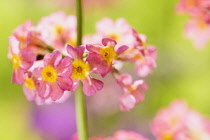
82	126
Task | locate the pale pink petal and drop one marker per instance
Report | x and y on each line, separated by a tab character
29	93
14	45
65	83
91	86
125	79
18	76
97	65
109	42
141	84
93	48
65	67
44	90
57	92
75	84
53	58
27	59
121	49
76	52
127	102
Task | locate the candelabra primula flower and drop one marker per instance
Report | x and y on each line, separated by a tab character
178	121
133	92
55	76
128	135
82	69
21	60
198	31
106	52
58	30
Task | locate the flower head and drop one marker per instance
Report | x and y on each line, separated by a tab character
82	69
55	76
106	52
133	92
21	60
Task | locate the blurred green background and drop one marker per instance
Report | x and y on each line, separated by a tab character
182	72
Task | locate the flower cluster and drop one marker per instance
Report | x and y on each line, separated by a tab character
179	122
48	63
198	27
119	135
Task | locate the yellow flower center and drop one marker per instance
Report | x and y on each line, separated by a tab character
58	30
113	36
15	61
49	74
108	54
29	83
166	137
72	42
80	69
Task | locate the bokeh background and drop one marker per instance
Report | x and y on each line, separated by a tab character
183	72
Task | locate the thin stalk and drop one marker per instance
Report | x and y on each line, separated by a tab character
82	126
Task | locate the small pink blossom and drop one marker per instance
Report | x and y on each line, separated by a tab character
58	30
179	122
21	60
55	76
133	92
106	53
82	69
198	31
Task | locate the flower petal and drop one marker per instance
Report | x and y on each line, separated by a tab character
18	76
65	67
91	85
121	49
109	42
93	48
29	93
44	90
53	58
65	83
27	59
76	52
57	92
127	102
14	45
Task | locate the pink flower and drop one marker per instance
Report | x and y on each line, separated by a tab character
106	53
179	122
133	92
21	60
58	30
128	135
81	70
55	76
198	31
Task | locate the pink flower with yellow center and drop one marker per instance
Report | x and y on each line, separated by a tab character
55	76
179	122
133	92
106	52
58	30
20	59
82	69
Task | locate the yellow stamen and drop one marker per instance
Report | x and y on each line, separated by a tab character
166	137
15	61
80	69
58	30
29	83
108	54
49	74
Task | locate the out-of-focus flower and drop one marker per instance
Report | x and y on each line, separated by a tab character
58	30
133	92
179	122
107	52
118	135
55	121
20	59
198	26
55	76
128	135
198	31
81	71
